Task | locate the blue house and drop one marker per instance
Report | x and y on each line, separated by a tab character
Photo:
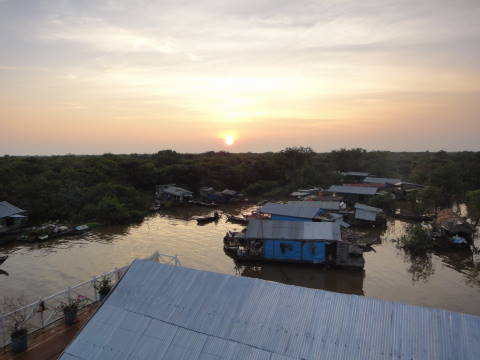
295	241
292	211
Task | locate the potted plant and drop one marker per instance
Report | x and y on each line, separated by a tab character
70	309
19	338
18	319
103	287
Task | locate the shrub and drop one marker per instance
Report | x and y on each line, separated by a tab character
417	239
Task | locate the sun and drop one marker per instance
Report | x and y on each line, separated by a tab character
229	139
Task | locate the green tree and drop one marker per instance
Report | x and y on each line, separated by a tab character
473	205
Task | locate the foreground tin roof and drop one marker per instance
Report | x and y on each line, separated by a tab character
159	311
292	230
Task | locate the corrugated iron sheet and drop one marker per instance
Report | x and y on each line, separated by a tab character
321	204
358	190
295	209
367	208
7	209
167	312
292	230
379	180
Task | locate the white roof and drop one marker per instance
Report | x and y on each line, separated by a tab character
367	208
295	209
322	204
292	230
378	180
167	312
357	190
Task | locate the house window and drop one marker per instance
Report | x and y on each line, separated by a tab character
285	247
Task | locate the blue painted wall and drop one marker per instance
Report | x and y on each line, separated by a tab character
268	250
294	250
314	251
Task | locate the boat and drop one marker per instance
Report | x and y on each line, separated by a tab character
315	243
3	258
237	219
207	219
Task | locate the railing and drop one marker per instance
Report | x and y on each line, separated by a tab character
46	311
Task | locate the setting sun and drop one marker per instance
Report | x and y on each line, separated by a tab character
229	139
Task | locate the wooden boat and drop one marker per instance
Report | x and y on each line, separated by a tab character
207	219
237	219
3	258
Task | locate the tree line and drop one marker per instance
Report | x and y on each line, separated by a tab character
118	188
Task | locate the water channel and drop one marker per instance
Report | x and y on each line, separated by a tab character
443	280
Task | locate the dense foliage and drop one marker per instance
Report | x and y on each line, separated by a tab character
417	239
113	188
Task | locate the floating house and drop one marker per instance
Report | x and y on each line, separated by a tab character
367	213
292	211
453	228
293	241
210	194
353	193
11	217
166	312
173	193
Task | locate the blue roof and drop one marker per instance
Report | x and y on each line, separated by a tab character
159	311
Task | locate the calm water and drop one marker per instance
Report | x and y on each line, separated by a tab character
450	281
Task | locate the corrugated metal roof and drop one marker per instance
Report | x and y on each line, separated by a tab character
357	190
177	191
7	209
322	204
379	180
367	208
295	209
167	312
292	230
354	173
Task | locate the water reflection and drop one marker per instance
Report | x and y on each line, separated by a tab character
421	266
344	281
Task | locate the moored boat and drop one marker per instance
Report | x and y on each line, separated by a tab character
207	219
237	219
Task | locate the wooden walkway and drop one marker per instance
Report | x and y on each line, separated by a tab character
49	343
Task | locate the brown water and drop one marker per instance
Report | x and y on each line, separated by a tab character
449	281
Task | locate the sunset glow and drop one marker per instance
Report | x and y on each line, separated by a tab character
229	140
77	78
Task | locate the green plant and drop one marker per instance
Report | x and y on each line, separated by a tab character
417	239
18	330
73	304
104	285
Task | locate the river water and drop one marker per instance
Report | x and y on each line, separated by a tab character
449	281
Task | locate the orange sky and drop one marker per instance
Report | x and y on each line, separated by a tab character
136	76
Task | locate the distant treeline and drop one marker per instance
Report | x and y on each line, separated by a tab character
117	188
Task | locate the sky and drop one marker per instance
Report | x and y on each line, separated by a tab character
139	76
